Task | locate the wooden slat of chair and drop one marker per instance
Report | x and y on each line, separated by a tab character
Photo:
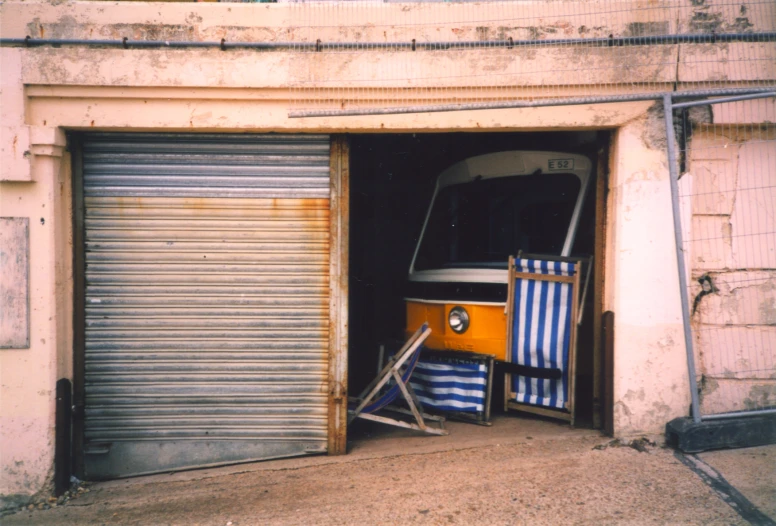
400	423
510	332
539	410
413	343
384	371
393	370
426	416
409	399
572	373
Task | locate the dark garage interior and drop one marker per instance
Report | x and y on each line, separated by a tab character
392	182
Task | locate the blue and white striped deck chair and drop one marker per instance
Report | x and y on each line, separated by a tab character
542	313
458	385
392	381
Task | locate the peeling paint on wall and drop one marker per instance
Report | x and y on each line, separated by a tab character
761	396
14	283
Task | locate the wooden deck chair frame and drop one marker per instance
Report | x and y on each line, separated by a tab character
509	402
392	370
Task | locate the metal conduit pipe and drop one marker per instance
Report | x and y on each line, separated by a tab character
739	414
413	45
126	43
673	169
757	95
611	41
736	94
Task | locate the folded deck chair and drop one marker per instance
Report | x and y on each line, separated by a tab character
456	383
395	377
542	317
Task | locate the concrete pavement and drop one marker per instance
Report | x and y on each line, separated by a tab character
523	470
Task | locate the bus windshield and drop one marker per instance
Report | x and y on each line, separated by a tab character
479	224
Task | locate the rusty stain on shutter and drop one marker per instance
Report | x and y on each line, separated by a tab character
207	299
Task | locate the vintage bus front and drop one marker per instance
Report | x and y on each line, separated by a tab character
483	210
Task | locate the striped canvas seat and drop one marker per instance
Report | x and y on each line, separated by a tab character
541	330
451	385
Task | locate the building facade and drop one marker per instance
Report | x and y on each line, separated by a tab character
315	74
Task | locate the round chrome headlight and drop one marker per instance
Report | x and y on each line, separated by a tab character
458	319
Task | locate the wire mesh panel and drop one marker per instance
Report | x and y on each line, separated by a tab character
727	197
365	56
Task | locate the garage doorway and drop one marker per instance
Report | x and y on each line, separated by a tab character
393	177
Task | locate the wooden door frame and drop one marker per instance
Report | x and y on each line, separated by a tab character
79	305
602	364
339	248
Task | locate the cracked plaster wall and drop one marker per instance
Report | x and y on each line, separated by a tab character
733	248
650	373
34	183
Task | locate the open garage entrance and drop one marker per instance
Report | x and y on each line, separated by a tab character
393	178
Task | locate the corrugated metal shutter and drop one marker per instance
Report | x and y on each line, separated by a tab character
207	299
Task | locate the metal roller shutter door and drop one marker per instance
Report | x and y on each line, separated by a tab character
207	299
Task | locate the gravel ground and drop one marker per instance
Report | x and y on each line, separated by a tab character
551	478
